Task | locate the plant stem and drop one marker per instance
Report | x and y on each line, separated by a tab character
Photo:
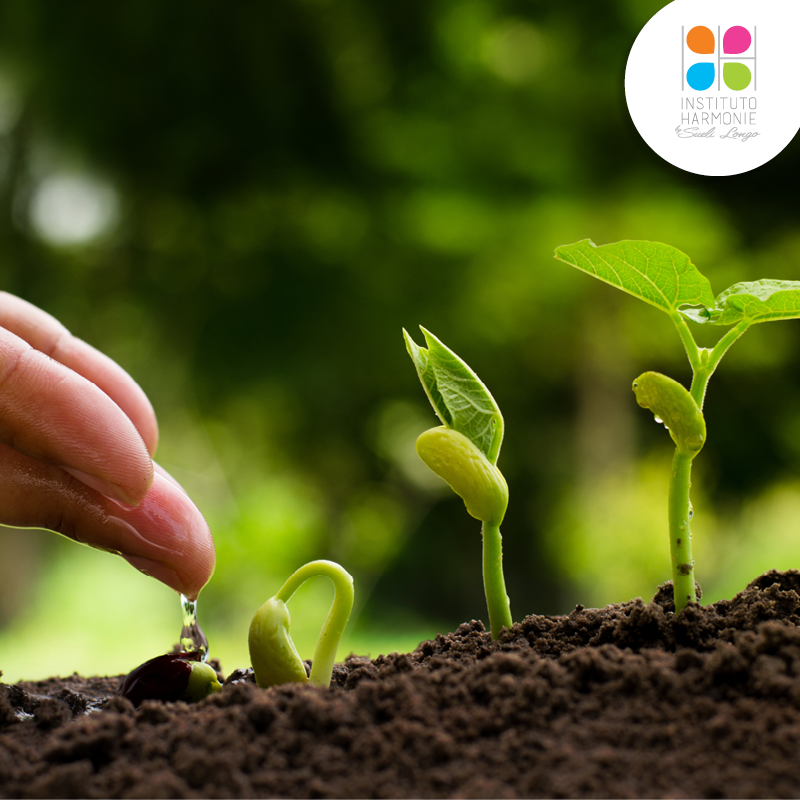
493	581
680	537
335	622
708	360
704	362
692	350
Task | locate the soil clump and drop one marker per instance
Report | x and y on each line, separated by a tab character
623	701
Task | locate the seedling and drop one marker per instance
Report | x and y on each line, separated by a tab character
464	451
665	278
273	655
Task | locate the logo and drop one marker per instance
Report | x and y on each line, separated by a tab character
730	66
721	103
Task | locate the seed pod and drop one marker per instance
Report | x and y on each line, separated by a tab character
478	482
675	407
171	677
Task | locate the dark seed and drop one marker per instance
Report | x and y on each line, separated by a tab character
160	678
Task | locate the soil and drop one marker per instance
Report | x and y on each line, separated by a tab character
623	701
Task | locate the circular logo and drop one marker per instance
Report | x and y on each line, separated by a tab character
711	85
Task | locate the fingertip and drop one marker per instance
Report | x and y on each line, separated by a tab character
173	535
165	536
194	581
195	571
186	582
154	569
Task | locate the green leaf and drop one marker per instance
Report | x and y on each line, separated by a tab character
656	273
758	301
457	395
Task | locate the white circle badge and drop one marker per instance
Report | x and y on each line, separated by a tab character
711	85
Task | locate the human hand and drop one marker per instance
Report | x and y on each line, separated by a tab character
77	436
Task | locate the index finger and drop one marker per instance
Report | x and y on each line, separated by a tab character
51	413
47	335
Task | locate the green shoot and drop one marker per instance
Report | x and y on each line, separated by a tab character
665	277
202	682
463	452
273	655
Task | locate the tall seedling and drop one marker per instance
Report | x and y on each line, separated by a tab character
463	451
665	278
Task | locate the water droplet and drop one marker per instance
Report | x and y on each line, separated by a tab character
192	637
659	420
691	512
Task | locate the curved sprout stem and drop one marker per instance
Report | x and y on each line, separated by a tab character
335	622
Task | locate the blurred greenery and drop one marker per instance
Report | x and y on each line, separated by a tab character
244	207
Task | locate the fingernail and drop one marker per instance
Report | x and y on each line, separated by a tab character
99	485
158	571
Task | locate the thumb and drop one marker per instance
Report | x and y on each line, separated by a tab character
165	536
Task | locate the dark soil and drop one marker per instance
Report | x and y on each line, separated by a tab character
624	701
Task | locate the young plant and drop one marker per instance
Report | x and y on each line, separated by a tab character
273	655
464	451
665	278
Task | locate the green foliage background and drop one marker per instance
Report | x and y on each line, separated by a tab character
289	184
